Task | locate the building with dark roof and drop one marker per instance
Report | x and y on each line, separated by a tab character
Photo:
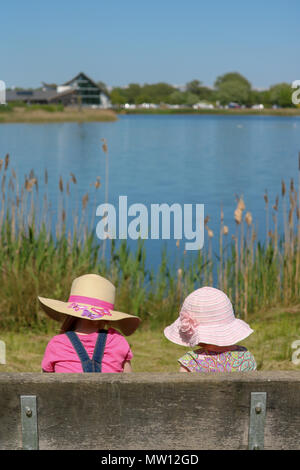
80	90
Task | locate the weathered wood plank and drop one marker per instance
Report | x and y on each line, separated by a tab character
150	411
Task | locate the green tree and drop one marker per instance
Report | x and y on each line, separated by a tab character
194	87
204	93
191	98
143	98
158	92
117	96
260	97
233	87
132	93
281	95
177	97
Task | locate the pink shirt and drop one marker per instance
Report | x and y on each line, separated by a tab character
60	356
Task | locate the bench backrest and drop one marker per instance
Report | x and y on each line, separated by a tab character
150	411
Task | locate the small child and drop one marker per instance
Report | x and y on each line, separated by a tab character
86	342
207	321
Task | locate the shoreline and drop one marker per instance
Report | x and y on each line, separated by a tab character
290	112
40	116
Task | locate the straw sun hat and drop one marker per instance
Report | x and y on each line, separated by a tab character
92	297
207	317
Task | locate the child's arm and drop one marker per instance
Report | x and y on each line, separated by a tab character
183	369
127	367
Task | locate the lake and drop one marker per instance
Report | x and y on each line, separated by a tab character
185	159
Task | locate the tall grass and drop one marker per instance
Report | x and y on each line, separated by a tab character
40	255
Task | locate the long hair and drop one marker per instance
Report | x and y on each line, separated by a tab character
68	324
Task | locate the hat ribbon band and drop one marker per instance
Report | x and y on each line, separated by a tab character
81	299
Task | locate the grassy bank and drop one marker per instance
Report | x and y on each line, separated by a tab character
57	113
225	112
271	343
48	114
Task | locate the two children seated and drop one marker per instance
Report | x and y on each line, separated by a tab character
91	337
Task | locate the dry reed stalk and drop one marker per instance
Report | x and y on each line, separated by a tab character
6	162
283	192
61	185
32	211
97	185
221	249
290	257
275	208
3	202
210	234
59	222
275	240
13	222
236	297
73	178
238	217
266	199
85	200
179	286
105	150
298	234
248	220
20	205
286	241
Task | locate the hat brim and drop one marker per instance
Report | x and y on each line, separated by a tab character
58	310
223	335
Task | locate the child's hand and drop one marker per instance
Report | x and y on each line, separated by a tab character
127	367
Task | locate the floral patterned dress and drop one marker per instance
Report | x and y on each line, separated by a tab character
237	360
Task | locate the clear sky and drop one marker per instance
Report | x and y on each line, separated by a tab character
131	41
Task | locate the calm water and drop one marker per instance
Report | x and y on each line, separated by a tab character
156	159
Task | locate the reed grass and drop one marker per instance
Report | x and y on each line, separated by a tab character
54	113
42	251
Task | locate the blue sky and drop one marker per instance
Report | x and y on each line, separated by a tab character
121	42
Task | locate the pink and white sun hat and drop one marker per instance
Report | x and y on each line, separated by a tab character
207	316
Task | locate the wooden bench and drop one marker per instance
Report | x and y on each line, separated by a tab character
150	411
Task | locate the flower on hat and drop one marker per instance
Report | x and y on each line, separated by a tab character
188	324
90	312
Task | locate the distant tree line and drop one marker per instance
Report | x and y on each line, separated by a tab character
228	88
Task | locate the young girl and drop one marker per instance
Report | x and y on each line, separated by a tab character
87	342
207	323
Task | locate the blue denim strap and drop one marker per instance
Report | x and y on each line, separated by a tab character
89	365
99	349
81	352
